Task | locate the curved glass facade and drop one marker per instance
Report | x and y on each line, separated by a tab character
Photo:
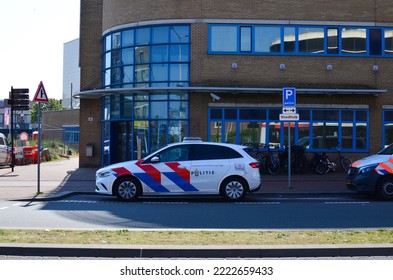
134	124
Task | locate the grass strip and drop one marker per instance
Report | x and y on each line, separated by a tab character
131	237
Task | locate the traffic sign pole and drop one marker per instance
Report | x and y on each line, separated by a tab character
289	114
40	96
39	150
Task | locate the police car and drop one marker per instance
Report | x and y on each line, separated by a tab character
373	174
188	167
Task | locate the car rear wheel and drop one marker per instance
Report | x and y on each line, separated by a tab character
127	188
234	188
385	189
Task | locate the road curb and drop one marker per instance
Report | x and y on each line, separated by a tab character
86	251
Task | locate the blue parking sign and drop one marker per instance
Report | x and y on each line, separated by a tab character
289	97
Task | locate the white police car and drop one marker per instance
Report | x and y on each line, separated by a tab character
189	167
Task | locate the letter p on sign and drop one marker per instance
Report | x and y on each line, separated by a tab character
289	97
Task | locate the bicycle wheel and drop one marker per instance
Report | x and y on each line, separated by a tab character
273	165
345	163
262	164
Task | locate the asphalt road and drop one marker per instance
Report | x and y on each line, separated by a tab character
257	212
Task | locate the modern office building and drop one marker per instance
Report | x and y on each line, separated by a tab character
153	72
71	74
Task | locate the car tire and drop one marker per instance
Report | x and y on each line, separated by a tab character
385	189
127	188
234	188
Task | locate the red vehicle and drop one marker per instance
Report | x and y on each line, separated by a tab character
5	151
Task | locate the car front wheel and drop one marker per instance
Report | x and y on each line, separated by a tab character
385	189
234	188
127	188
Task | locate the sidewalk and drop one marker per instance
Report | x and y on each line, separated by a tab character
64	177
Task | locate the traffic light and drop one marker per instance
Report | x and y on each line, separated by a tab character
19	99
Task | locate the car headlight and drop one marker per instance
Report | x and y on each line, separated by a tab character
367	168
104	174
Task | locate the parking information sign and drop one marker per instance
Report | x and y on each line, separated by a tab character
289	97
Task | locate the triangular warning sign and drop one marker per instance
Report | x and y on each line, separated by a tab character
40	94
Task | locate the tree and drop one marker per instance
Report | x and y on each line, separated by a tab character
51	105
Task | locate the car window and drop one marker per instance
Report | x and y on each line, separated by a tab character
387	151
177	153
208	152
1	141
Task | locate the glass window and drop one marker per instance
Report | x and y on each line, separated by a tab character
223	38
389	41
141	73
245	39
179	72
127	106
210	152
311	40
179	53
116	40
127	38
215	131
274	136
158	134
321	130
267	39
354	40
127	56
252	114
159	110
159	72
361	136
332	41
142	36
141	110
159	53
230	132
375	41
108	42
230	114
160	35
252	133
178	110
127	66
289	39
177	130
128	74
325	114
142	55
180	34
304	134
178	153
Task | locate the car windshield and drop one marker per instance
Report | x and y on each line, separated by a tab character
387	151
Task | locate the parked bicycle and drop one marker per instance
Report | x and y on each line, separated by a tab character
322	164
298	160
268	161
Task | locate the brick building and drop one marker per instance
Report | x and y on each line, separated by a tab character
153	72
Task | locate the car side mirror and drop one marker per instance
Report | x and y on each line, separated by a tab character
155	159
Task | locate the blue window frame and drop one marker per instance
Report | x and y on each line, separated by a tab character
300	40
71	134
318	129
387	127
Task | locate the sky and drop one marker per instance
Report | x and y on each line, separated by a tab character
33	33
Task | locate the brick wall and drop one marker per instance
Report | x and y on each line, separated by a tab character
206	70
